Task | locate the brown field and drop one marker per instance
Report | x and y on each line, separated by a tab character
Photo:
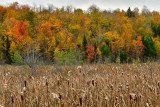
86	86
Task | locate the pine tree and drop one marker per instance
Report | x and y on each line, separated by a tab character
130	13
84	42
149	47
8	56
105	51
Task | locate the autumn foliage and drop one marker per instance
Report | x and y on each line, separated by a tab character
90	53
121	32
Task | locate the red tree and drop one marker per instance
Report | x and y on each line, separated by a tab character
22	28
140	46
90	53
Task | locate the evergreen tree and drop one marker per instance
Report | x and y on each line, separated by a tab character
105	51
149	47
123	57
7	54
85	48
84	42
130	13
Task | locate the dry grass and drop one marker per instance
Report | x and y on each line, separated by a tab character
86	86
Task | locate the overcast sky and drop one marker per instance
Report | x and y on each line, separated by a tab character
84	4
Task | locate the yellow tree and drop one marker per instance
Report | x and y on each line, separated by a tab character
51	47
125	29
142	26
157	45
115	41
65	40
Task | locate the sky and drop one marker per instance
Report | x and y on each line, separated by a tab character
84	4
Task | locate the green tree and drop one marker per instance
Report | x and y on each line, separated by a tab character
30	17
85	48
7	50
105	51
62	58
71	58
155	28
149	47
56	56
84	42
123	57
130	13
16	59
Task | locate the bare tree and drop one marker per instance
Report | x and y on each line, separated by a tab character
51	8
31	58
146	11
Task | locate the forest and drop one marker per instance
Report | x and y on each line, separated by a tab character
67	36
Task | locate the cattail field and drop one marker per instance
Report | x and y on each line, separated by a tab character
110	85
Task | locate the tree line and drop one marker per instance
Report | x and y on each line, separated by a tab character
73	36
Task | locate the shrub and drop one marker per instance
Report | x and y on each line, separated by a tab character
17	59
62	58
71	58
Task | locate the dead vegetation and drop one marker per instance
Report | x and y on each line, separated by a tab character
83	86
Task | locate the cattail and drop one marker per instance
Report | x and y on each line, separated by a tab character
79	68
111	87
93	82
22	96
135	76
55	96
127	84
159	84
147	105
69	73
120	87
60	96
25	83
128	75
133	96
116	101
80	101
46	82
106	98
24	89
122	73
68	82
12	99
